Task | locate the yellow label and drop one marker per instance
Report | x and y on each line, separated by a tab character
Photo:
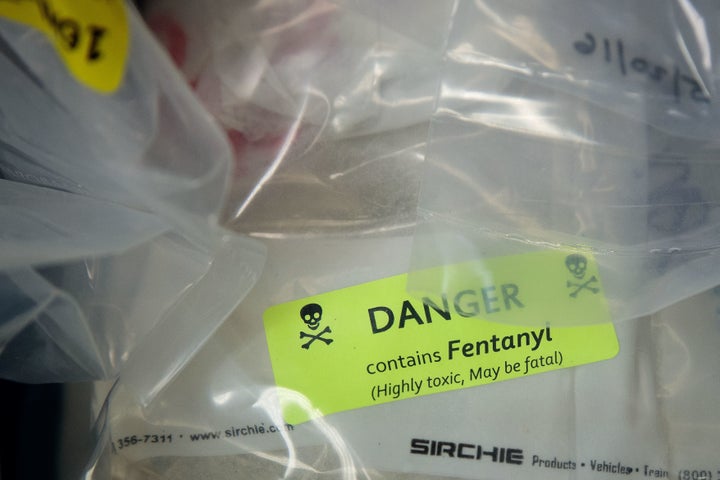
374	343
91	36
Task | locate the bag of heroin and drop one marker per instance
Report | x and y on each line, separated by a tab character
314	95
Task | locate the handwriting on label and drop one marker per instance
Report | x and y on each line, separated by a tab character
614	52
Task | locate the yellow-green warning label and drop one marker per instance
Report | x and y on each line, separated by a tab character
91	36
375	343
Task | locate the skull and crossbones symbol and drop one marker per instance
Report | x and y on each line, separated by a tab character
311	315
577	266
